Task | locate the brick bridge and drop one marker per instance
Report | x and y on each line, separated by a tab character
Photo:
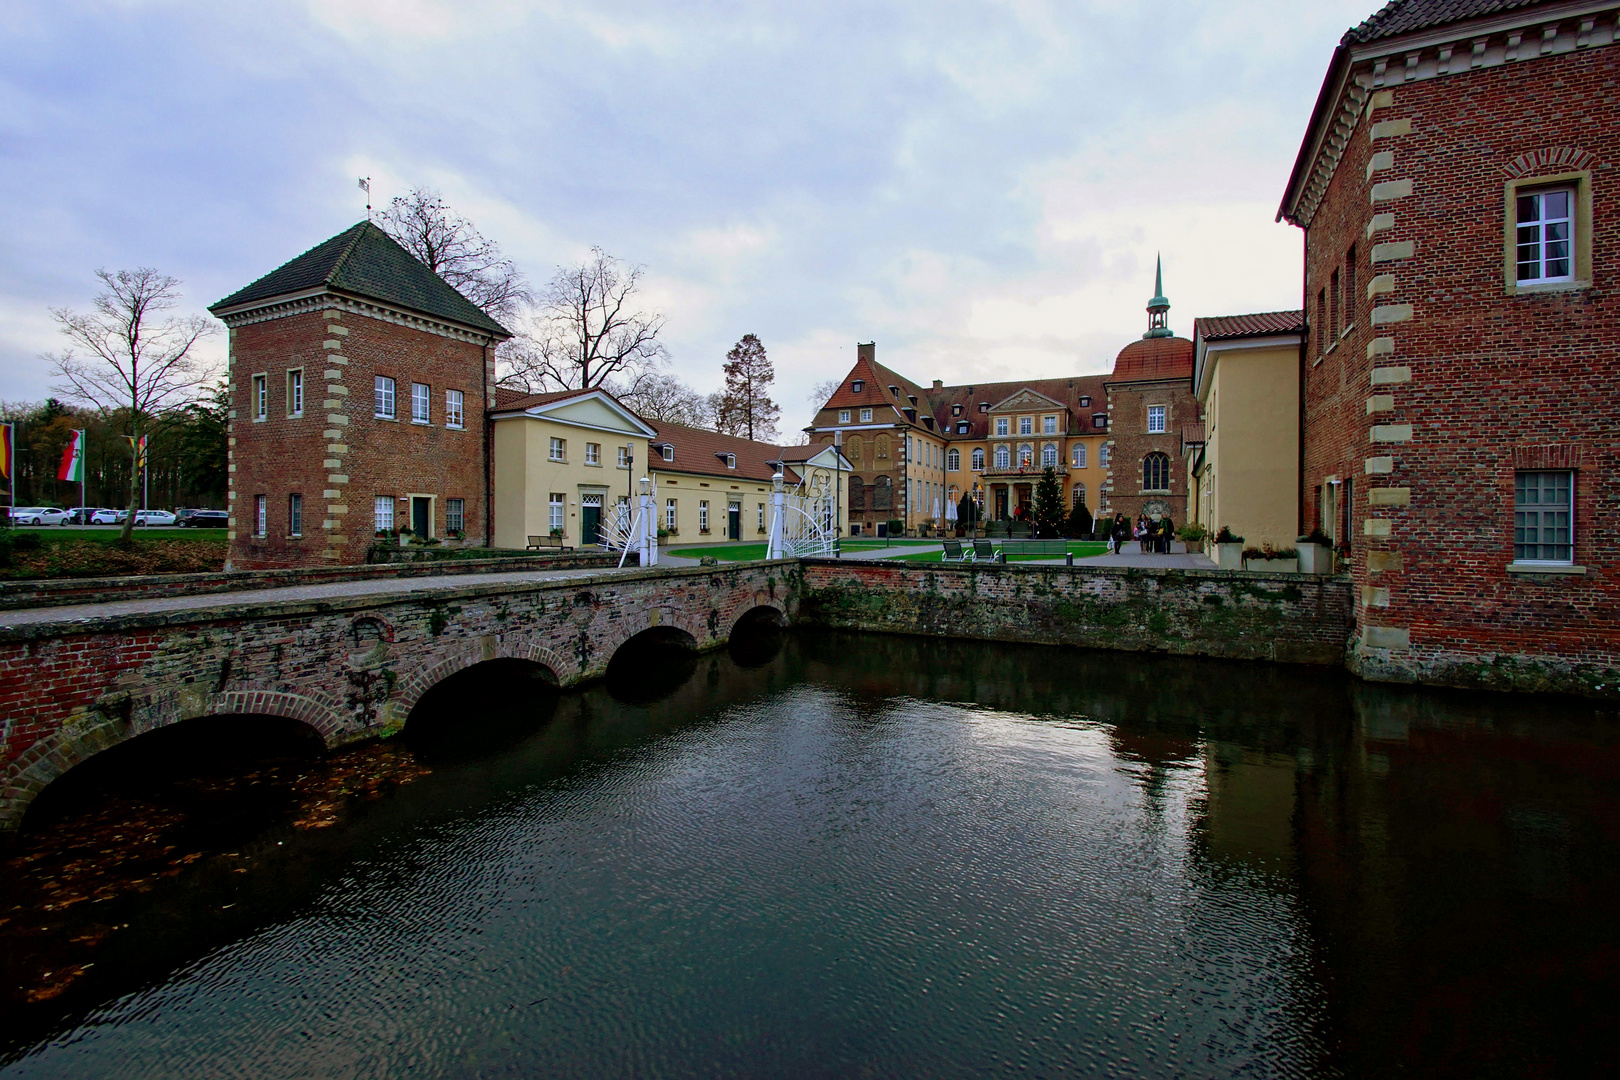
350	667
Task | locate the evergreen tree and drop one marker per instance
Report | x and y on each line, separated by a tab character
746	408
1079	521
1048	505
967	512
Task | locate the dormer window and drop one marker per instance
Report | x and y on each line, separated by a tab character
858	385
668	451
962	428
894	392
1099	420
1085	401
956	410
984	406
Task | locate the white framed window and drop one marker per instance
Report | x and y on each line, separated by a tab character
261	515
669	515
1003	457
1099	420
1026	455
962	428
1026	425
593	453
953	460
419	403
295	392
731	461
1103	456
624	457
669	451
382	513
558	506
843	416
1155	419
1049	455
455	414
1079	495
866	416
1001	425
1544	517
261	398
455	515
383	398
761	525
559	449
1543	235
1048	425
295	515
978	459
703	515
1077	455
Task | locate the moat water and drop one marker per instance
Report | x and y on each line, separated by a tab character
838	856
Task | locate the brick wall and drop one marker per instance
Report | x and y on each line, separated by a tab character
1253	616
1131	444
1448	379
337	455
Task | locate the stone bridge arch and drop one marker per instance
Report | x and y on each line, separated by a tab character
639	621
459	656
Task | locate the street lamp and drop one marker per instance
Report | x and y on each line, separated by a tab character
838	494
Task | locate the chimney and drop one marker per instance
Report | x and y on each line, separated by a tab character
866	350
939	384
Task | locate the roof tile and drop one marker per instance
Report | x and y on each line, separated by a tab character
1219	327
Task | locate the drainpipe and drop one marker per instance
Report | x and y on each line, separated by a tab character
489	454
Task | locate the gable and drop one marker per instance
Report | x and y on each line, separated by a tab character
1028	401
593	412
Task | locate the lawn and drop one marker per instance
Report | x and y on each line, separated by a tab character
1080	549
54	552
725	553
56	534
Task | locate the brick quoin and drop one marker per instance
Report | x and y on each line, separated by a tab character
1489	381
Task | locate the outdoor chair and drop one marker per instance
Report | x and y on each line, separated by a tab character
984	551
954	553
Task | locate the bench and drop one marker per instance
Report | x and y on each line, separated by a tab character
1051	549
537	543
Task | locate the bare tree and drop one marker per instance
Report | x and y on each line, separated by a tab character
452	247
589	331
746	408
821	393
662	396
131	360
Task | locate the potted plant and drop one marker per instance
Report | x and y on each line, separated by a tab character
1315	553
1275	560
1228	549
404	536
1192	535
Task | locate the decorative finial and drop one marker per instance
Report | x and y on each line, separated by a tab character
1158	307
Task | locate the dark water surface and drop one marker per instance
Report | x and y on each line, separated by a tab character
853	856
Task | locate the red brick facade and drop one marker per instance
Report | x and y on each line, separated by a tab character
338	455
1147	470
1432	378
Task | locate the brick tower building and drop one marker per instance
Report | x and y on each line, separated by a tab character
1150	401
1459	188
354	322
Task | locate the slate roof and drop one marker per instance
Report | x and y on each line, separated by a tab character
366	262
1222	327
1154	360
697	450
1406	16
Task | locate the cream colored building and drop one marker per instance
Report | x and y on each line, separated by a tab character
1243	458
712	488
562	462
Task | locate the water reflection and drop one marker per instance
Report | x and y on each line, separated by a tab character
832	854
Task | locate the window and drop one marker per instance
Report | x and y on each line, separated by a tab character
1001	425
382	513
593	453
419	403
854	447
261	398
956	410
703	515
1321	322
761	516
455	414
962	428
1155	417
455	515
978	459
558	507
669	515
1026	455
1351	300
1085	401
858	385
383	392
1026	425
1079	495
984	406
559	449
261	516
295	392
295	515
1543	517
1103	454
624	457
1099	420
1156	473
669	451
880	446
1003	457
1048	425
1335	305
731	461
953	460
843	416
866	416
1543	235
1077	456
1049	455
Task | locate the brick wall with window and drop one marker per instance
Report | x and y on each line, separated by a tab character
1146	470
1465	396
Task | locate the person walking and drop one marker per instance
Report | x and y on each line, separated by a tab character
1139	532
1118	533
1167	529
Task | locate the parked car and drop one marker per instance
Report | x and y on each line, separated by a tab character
107	517
82	515
153	517
205	519
38	515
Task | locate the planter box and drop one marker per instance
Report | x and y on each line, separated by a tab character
1272	566
1229	556
1315	559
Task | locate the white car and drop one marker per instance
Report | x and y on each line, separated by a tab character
107	517
153	517
38	515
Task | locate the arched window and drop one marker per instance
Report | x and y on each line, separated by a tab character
882	494
953	460
1102	456
1003	457
880	446
854	447
1156	473
1079	455
1026	454
1049	455
954	494
1079	495
978	459
857	495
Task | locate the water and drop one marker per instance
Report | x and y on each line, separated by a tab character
854	856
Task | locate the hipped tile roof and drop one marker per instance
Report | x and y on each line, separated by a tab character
698	451
1067	392
1220	327
366	262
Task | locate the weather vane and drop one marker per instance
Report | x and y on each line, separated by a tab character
365	186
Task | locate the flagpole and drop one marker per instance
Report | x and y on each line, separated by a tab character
84	441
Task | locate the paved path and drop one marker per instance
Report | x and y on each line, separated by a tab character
384	586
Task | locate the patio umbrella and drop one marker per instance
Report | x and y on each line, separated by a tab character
950	510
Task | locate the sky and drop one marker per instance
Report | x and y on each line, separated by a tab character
979	188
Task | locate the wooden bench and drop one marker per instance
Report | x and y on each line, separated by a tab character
1052	549
537	543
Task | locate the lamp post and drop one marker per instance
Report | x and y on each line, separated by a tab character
838	494
649	528
774	547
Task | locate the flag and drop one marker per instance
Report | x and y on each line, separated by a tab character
5	451
140	460
72	467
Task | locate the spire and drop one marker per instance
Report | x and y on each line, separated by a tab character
1158	306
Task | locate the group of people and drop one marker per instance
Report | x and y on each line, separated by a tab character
1151	534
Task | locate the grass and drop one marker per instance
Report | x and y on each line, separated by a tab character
55	534
1080	549
733	553
57	553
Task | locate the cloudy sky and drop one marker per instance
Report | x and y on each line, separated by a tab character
980	187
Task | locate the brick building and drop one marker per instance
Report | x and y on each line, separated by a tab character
315	472
1150	402
1457	186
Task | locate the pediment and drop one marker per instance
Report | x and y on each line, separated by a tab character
1027	400
594	411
